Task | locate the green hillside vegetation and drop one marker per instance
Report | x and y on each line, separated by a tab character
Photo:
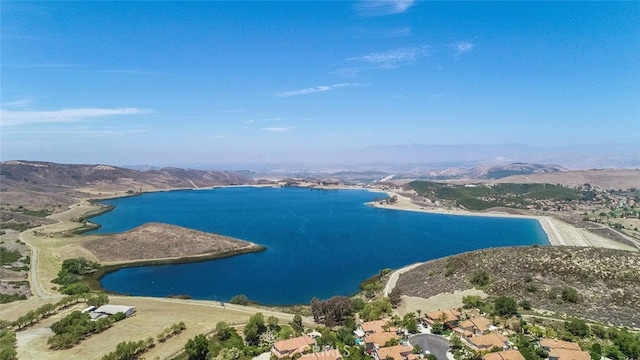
483	197
591	283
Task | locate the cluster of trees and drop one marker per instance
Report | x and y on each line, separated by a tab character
7	345
334	311
614	343
609	342
169	331
69	275
45	311
76	326
376	309
130	350
227	344
331	312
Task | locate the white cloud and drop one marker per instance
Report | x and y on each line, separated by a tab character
278	129
462	47
383	7
18	103
384	60
14	118
315	89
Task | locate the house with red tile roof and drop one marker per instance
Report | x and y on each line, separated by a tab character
332	354
487	342
504	355
477	325
448	317
567	354
549	344
293	346
397	352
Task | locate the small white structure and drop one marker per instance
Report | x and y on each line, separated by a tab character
114	309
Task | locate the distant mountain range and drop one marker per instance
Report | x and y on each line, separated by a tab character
415	156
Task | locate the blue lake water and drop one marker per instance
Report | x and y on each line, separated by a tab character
319	242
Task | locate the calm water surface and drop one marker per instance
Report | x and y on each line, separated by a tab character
319	242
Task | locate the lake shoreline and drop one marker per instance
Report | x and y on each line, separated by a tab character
403	204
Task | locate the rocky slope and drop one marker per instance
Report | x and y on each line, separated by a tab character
607	281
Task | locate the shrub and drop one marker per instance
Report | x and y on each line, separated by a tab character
569	294
480	278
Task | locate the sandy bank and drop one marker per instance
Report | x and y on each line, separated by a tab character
558	232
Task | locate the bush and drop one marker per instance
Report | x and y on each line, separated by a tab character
240	300
505	306
480	278
569	294
525	304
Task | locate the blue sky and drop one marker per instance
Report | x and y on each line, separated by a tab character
221	82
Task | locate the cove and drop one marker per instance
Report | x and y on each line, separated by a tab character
319	242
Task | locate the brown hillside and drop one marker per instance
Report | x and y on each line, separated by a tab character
38	185
607	280
155	241
610	179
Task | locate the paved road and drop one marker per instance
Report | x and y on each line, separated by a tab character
435	344
394	277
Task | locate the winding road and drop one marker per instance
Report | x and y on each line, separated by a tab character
393	279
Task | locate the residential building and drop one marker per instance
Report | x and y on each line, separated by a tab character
332	354
504	355
477	325
449	317
566	354
550	344
397	352
378	340
487	342
293	346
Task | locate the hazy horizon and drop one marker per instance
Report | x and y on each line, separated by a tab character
320	83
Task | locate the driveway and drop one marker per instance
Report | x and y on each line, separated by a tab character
435	344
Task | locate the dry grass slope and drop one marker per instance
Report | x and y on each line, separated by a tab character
154	241
607	280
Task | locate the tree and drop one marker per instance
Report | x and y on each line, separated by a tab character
272	323
254	328
296	325
480	278
197	348
230	354
331	312
471	301
569	294
577	327
505	306
395	297
410	323
98	300
239	300
223	331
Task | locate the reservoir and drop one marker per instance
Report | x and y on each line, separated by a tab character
319	242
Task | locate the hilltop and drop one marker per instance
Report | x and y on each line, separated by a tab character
154	241
607	281
46	185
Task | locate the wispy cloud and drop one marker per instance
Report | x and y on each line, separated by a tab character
264	120
14	118
315	89
394	58
45	66
278	129
17	103
386	60
383	33
462	47
383	7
